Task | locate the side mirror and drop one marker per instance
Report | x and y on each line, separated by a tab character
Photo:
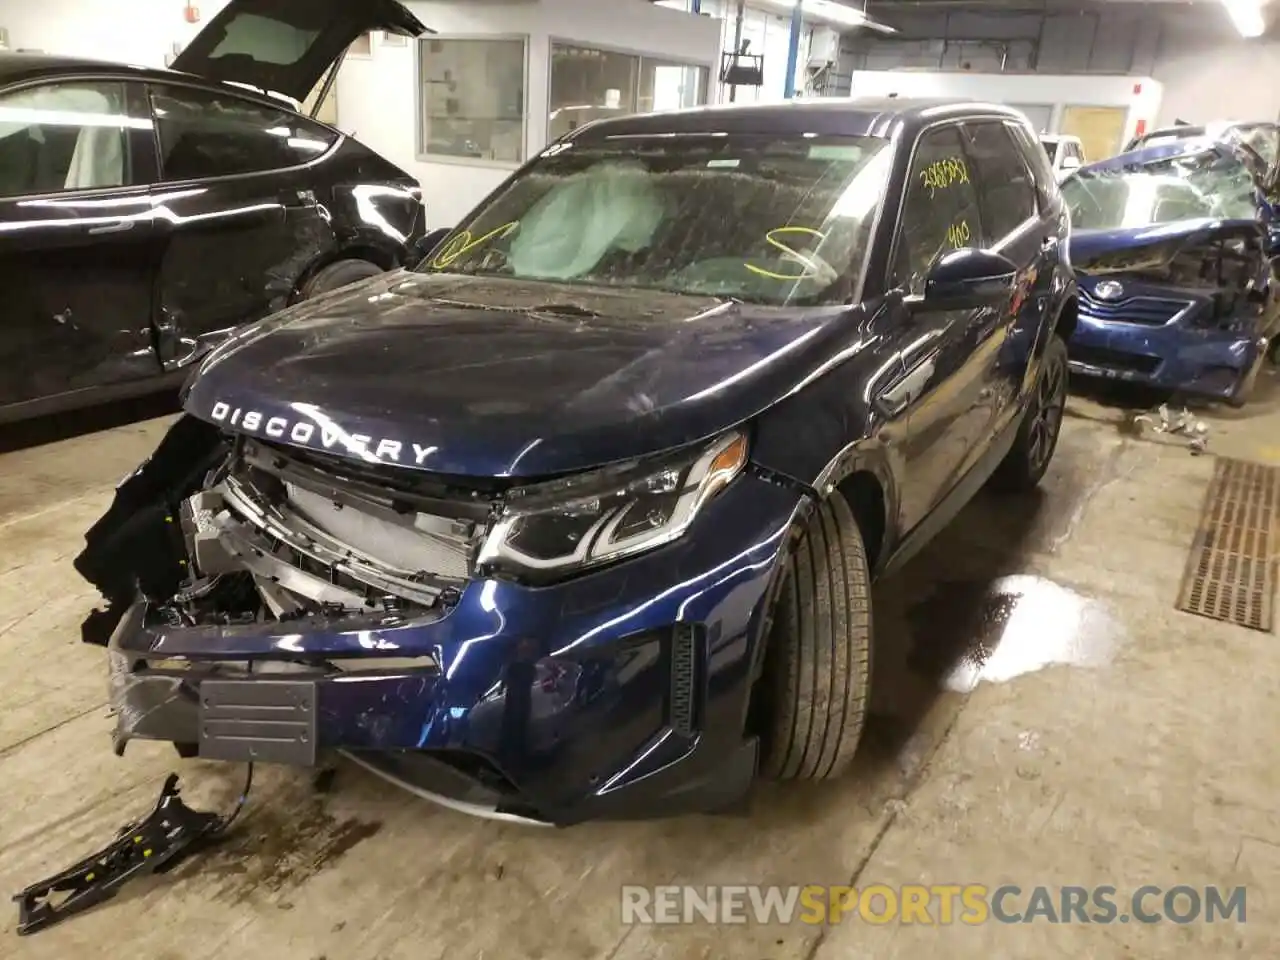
967	279
427	245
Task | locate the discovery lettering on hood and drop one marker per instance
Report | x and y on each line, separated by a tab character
319	432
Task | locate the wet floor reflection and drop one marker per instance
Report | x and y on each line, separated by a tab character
968	610
964	633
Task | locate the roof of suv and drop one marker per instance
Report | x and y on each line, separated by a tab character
825	116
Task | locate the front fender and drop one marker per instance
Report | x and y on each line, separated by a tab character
825	433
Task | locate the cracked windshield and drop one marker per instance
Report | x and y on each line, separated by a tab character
1207	184
762	220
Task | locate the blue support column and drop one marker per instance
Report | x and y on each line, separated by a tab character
793	49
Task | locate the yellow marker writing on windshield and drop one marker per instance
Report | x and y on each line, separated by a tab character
810	267
465	242
958	234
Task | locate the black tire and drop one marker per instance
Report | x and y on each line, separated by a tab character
338	274
812	696
1041	425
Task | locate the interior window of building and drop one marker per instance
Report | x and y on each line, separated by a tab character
473	98
590	84
670	86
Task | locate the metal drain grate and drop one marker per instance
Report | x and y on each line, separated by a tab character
1231	570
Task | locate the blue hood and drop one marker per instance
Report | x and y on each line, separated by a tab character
1087	245
1145	155
487	377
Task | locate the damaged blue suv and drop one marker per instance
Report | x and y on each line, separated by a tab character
579	517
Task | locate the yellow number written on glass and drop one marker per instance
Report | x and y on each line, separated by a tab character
958	234
944	173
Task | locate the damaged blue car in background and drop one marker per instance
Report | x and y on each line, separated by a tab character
1173	247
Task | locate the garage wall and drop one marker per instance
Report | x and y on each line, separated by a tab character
386	121
1206	69
1206	76
134	31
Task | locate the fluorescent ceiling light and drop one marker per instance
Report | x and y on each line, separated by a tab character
1246	15
837	13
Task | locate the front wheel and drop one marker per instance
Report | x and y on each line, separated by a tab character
812	698
1037	438
338	274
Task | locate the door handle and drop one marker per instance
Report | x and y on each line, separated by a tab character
901	395
120	226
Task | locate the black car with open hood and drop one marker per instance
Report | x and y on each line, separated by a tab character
577	517
149	214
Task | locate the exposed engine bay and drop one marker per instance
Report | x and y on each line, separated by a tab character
272	536
261	532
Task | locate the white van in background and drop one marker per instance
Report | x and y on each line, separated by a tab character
1066	154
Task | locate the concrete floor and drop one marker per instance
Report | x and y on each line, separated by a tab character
1139	754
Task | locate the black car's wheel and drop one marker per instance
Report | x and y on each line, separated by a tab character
812	697
1041	424
338	274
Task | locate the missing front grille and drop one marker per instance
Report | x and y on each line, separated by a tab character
1231	568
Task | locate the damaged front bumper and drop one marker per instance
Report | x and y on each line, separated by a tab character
621	693
1178	354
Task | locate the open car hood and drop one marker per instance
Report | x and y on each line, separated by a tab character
1151	249
286	46
500	378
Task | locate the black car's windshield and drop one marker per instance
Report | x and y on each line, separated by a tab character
759	219
1206	184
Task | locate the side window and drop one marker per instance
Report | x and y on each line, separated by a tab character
941	208
1005	187
64	136
203	134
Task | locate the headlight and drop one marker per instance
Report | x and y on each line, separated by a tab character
595	518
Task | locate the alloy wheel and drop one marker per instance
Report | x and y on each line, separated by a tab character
1051	400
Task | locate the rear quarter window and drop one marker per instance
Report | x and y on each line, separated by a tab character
206	134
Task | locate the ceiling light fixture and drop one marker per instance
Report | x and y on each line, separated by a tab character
1246	16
